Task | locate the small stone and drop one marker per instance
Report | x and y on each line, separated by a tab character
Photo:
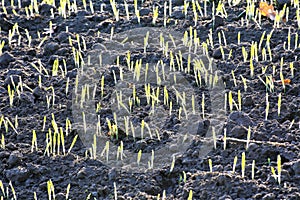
12	80
241	118
50	48
82	173
5	59
45	9
217	54
269	196
63	37
19	174
14	159
177	14
177	2
296	167
248	101
282	2
38	92
112	174
219	21
238	132
27	98
144	11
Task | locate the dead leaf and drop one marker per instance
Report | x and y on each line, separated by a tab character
267	10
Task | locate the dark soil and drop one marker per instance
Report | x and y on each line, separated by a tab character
30	171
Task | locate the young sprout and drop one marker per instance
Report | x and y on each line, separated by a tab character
214	137
115	191
1	46
11	95
279	103
155	14
126	10
267	106
273	173
91	7
72	144
102	86
2	142
279	168
245	54
203	104
115	10
244	83
34	141
190	197
239	100
185	7
210	165
13	191
173	164
165	14
68	191
248	138
253	168
139	157
50	189
243	164
251	68
230	101
225	138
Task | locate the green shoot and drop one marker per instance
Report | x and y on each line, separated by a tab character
139	156
34	141
248	138
279	103
243	164
210	165
267	106
253	168
72	144
279	168
173	164
190	197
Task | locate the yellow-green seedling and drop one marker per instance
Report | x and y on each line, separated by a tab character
12	190
190	197
155	14
126	10
253	168
151	162
279	168
243	164
68	191
225	138
2	142
214	137
172	164
239	100
115	191
11	94
34	141
8	122
248	138
210	165
203	105
267	106
106	150
279	104
1	46
139	156
234	164
72	144
50	190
